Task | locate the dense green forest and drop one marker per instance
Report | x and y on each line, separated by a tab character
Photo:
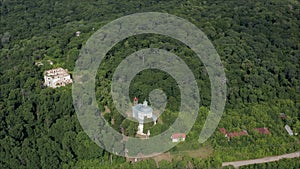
258	43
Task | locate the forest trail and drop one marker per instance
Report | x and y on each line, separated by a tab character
237	164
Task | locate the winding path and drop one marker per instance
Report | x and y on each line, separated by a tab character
237	164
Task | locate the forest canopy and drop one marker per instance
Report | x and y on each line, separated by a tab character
258	44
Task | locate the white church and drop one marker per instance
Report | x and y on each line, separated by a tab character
140	112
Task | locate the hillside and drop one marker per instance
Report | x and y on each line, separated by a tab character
258	43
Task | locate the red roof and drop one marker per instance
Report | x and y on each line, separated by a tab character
223	130
135	99
263	130
178	135
235	134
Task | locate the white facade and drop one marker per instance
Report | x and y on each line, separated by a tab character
176	140
178	137
57	77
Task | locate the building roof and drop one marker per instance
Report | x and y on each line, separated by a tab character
236	134
57	77
288	129
178	135
56	73
263	130
143	110
223	130
135	99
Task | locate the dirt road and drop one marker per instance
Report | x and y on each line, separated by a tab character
237	164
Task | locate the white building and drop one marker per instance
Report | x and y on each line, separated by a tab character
50	62
289	130
77	33
57	77
141	111
39	64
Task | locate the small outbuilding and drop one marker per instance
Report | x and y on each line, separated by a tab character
289	130
178	137
282	116
77	33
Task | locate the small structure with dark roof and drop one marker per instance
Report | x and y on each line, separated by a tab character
282	115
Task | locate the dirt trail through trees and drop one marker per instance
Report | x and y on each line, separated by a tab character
237	164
